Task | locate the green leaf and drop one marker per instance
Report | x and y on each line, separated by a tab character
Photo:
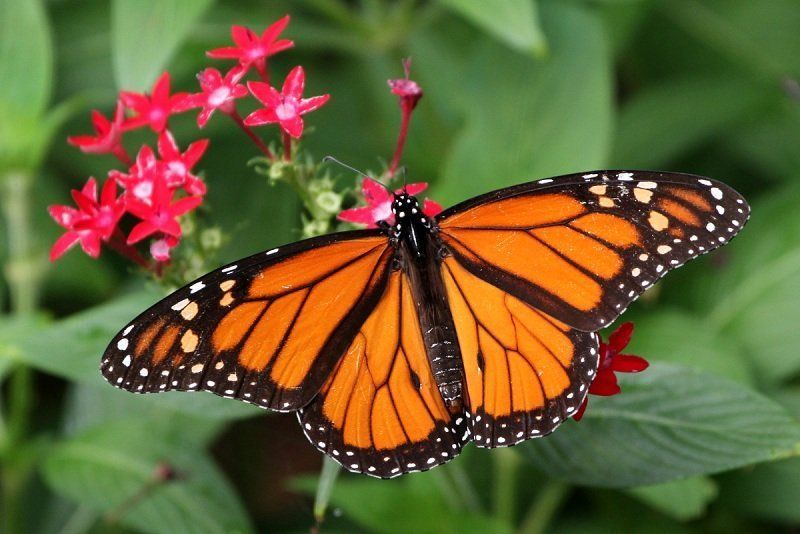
530	119
26	64
669	422
768	491
72	348
145	35
26	58
698	345
760	36
407	504
757	294
514	22
683	499
661	123
112	469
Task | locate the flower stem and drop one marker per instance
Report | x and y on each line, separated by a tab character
23	268
251	134
287	147
327	478
118	244
544	507
401	141
506	463
121	154
261	67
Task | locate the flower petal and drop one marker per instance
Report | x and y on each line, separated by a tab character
374	192
628	363
308	105
620	338
414	189
63	244
358	215
605	384
294	83
261	116
431	208
141	231
293	126
274	30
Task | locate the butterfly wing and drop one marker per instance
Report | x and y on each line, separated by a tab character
267	330
582	247
525	371
380	411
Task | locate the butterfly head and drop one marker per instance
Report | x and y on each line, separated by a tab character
410	223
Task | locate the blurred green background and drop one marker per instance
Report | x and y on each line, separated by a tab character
704	441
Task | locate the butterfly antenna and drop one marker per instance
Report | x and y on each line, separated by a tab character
365	175
403	172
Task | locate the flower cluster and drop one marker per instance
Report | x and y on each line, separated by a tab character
612	361
159	188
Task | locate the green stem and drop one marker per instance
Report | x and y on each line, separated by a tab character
544	507
23	268
327	479
506	463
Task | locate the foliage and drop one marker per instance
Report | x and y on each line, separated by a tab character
524	89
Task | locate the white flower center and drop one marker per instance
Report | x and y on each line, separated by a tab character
286	110
219	96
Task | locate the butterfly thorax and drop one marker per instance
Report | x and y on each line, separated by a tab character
419	254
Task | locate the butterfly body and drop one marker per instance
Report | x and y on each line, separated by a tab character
397	346
420	252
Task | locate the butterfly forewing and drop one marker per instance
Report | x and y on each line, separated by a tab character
582	247
380	411
267	330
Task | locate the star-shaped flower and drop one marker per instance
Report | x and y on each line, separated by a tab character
218	93
92	223
139	182
154	109
161	214
251	49
611	361
108	133
177	167
379	204
284	107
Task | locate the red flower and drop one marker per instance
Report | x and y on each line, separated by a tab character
251	49
154	109
160	214
407	89
285	107
218	93
611	361
93	221
177	167
379	204
108	134
139	183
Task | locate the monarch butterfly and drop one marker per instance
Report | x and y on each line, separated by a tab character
397	346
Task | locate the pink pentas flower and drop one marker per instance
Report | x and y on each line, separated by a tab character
153	109
139	182
407	89
177	166
218	93
160	215
612	361
252	49
379	204
92	223
108	133
285	107
161	249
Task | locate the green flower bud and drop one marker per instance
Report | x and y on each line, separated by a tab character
330	202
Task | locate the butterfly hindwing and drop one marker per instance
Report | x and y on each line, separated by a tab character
380	411
582	247
267	330
525	371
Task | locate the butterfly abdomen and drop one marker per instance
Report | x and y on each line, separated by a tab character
436	321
